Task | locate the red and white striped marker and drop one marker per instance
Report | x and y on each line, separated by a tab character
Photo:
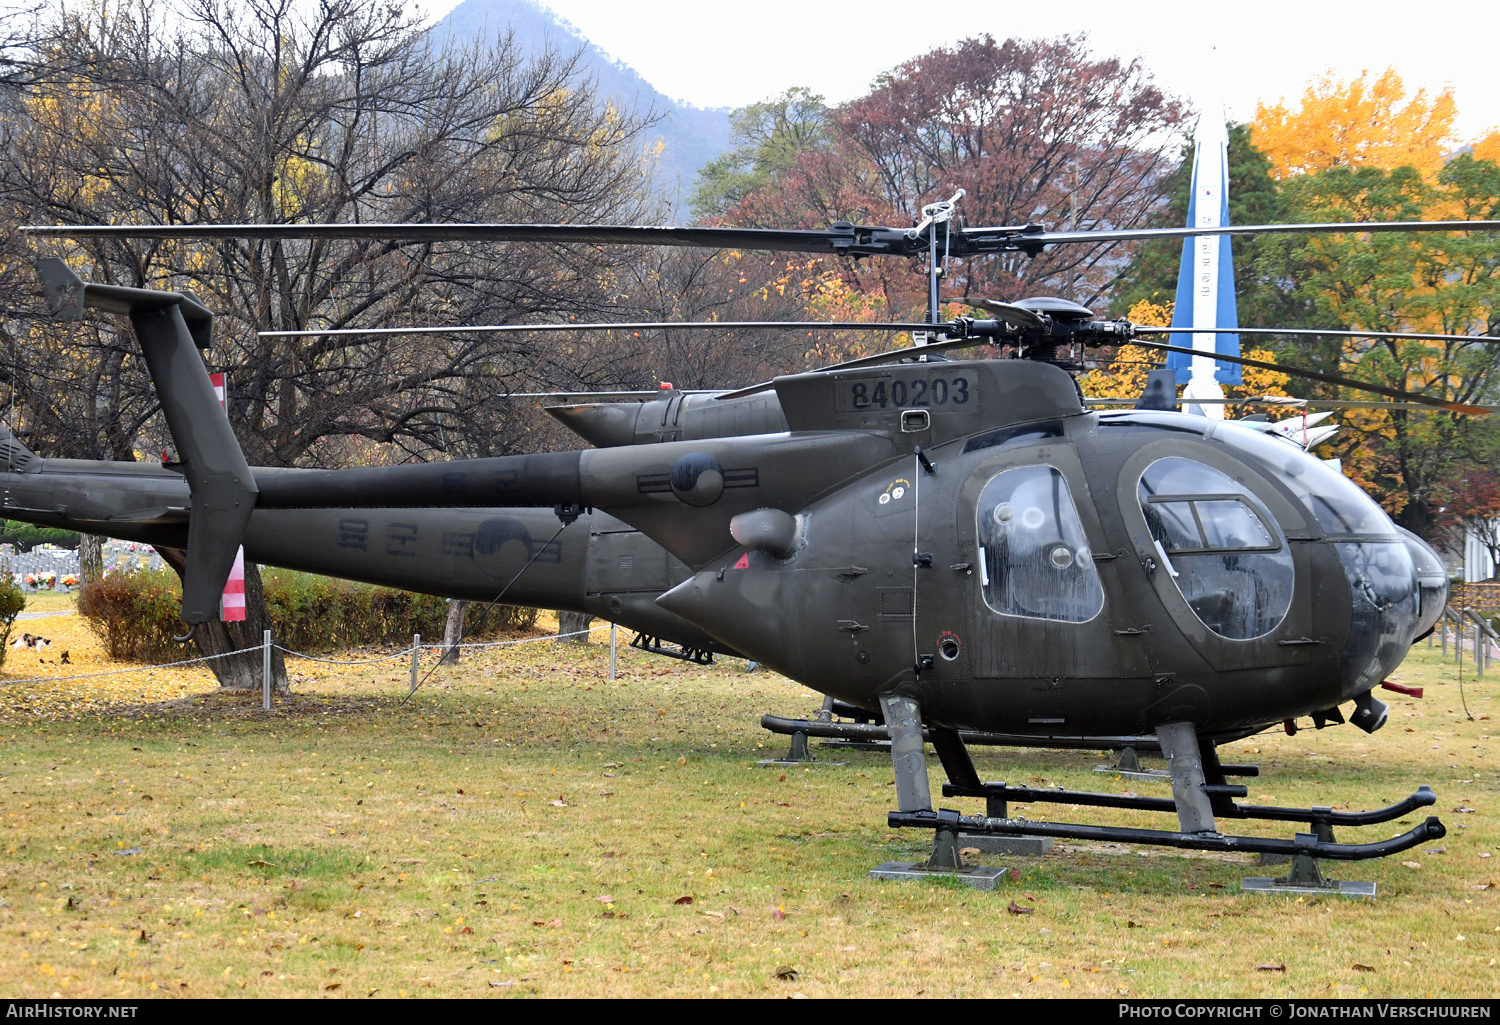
232	603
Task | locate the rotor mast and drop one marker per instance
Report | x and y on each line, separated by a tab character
937	218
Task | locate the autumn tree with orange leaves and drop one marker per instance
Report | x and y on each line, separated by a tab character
1365	150
1031	129
272	111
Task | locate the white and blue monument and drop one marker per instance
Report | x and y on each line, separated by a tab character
1205	283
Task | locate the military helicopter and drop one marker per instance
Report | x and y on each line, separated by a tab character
960	545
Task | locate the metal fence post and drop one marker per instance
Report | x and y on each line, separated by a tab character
611	651
416	653
265	672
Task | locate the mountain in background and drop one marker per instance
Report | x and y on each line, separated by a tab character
691	136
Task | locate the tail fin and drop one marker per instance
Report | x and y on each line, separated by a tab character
14	456
169	326
1161	391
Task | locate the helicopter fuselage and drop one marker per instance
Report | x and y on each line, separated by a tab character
1024	586
966	534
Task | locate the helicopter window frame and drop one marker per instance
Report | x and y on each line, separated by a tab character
1194	585
1073	537
1205	548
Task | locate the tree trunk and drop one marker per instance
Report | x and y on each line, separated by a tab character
217	637
572	622
453	632
90	558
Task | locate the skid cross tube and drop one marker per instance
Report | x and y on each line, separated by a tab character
1306	844
654	646
832	730
1424	797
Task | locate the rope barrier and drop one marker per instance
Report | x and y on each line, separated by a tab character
403	653
522	640
343	662
138	669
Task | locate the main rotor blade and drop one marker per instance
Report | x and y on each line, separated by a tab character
1315	332
647	325
973	236
837	239
659	393
1313	375
842	238
1289	404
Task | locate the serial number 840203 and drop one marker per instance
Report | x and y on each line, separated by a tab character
909	394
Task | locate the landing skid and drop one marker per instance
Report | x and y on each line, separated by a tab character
1306	844
1199	795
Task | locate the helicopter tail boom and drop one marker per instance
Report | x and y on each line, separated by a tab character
545	479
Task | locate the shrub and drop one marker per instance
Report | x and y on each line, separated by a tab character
12	601
313	613
136	615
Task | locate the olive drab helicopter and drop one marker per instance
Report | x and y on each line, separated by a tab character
961	547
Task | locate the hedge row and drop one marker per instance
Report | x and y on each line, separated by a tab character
27	536
136	615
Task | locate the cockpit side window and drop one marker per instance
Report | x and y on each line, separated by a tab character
1207	523
1224	553
1034	559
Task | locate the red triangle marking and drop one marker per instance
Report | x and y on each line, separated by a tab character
744	562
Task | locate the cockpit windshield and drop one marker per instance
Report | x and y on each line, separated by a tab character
1337	503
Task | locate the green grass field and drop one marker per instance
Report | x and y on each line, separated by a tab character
526	826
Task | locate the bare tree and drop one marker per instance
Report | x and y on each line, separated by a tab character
279	112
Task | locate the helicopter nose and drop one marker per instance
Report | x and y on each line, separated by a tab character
1431	579
1383	613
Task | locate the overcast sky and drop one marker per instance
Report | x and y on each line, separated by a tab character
730	54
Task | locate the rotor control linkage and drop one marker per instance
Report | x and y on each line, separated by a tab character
1424	797
1305	844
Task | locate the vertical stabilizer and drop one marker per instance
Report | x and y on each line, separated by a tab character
171	327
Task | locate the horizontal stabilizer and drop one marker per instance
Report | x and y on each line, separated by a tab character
68	295
14	456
